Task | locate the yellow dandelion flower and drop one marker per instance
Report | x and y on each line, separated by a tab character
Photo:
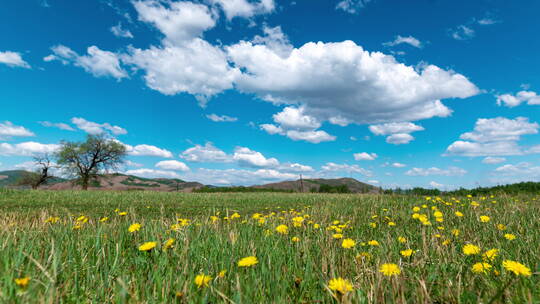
390	269
316	226
168	244
134	227
340	285
484	218
22	282
491	254
147	246
402	239
202	280
282	229
416	209
406	253
373	243
348	243
471	249
509	236
248	261
337	235
373	225
501	227
517	268
222	273
481	268
52	219
391	224
438	214
455	232
123	213
295	239
104	219
458	214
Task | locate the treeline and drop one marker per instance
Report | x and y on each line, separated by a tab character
207	189
518	188
324	188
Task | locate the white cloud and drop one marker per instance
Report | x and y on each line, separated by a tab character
436	185
493	160
147	150
451	171
13	59
222	118
462	32
238	176
351	6
244	8
172	165
509	100
96	128
151	173
205	154
8	129
133	164
314	137
398	165
295	168
364	156
487	21
118	31
395	127
410	40
343	80
249	158
399	139
492	137
372	181
59	125
523	169
333	167
29	148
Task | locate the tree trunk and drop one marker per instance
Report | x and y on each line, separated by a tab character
84	183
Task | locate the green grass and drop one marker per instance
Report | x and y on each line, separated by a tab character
101	263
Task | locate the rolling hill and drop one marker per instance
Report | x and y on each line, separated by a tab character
314	185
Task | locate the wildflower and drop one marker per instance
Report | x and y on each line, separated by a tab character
509	236
348	243
202	280
363	255
491	254
481	268
214	218
168	244
437	214
416	209
458	214
295	239
337	235
147	246
235	215
22	282
517	268
484	218
316	226
406	253
471	249
373	243
501	227
446	242
389	269
123	213
283	229
104	219
402	239
373	225
391	224
297	221
222	273
248	261
77	227
52	219
455	232
340	285
134	227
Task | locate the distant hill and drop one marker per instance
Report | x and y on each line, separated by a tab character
314	185
10	178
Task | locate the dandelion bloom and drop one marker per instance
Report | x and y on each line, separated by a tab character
402	239
491	254
168	244
52	219
202	280
104	219
248	261
389	269
123	213
373	243
147	246
222	273
438	214
517	268
348	243
455	232
22	282
337	235
283	229
316	226
134	227
501	227
416	209
391	224
406	253
295	239
340	285
481	268
484	218
509	236
458	214
471	249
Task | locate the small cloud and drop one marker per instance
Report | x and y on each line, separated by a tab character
222	118
410	40
462	32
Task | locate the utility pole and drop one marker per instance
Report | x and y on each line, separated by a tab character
301	184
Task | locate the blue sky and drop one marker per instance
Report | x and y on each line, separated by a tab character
237	92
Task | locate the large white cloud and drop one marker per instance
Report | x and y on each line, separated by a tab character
244	8
249	158
8	129
494	137
343	80
29	148
520	172
172	165
97	62
148	150
451	171
97	128
13	59
205	154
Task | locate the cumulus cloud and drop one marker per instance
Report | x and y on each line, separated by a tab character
59	125
351	6
333	167
221	118
147	150
13	59
436	185
294	168
8	129
151	173
97	62
493	160
399	132
29	148
520	172
249	158
118	31
451	171
172	165
493	137
244	8
96	128
410	40
509	100
364	156
238	176
205	154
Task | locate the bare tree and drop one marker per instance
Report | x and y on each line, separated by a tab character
87	159
40	176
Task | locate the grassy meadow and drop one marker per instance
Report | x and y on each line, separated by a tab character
85	247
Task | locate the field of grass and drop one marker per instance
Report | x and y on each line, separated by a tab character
76	247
